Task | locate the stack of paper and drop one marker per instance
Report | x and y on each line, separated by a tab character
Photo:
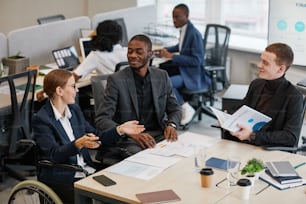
150	162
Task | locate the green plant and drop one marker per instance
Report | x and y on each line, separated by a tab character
253	165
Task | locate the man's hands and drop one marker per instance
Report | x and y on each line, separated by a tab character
170	134
145	140
243	134
163	53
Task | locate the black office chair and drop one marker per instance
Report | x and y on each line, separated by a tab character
216	39
50	19
98	85
17	100
108	154
121	65
296	148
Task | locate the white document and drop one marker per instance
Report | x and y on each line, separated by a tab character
184	146
150	162
153	160
135	170
245	116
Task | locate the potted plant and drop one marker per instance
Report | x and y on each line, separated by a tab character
254	166
17	63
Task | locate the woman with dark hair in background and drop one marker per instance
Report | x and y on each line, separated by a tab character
107	51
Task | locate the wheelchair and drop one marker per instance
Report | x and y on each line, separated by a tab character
32	191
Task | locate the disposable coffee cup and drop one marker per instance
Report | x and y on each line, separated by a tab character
245	188
206	177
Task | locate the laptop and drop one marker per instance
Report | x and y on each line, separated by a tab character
85	47
281	168
66	58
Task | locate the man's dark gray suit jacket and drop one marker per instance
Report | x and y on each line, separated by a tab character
120	102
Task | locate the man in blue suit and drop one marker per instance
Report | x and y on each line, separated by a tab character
188	58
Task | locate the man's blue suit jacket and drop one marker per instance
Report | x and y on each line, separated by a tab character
191	59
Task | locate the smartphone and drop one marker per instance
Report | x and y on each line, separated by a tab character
104	180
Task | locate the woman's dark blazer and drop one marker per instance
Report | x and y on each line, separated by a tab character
55	145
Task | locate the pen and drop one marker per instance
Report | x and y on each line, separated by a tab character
299	165
263	189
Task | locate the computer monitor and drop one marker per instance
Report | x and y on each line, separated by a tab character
85	47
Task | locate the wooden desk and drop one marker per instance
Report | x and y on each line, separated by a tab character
184	180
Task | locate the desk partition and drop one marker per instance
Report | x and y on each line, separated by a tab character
3	46
136	18
37	42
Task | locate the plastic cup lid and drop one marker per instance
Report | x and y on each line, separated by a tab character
206	171
243	182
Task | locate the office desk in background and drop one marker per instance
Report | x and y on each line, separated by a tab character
185	182
233	97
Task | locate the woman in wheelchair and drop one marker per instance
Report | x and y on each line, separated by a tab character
64	136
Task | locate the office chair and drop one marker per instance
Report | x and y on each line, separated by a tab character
17	100
121	65
124	40
50	19
108	154
296	148
215	42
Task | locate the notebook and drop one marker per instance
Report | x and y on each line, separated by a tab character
85	47
163	196
219	163
281	168
285	179
66	58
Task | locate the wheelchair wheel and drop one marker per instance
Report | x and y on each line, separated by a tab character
32	191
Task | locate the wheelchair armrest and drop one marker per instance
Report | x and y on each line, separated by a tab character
27	142
72	167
